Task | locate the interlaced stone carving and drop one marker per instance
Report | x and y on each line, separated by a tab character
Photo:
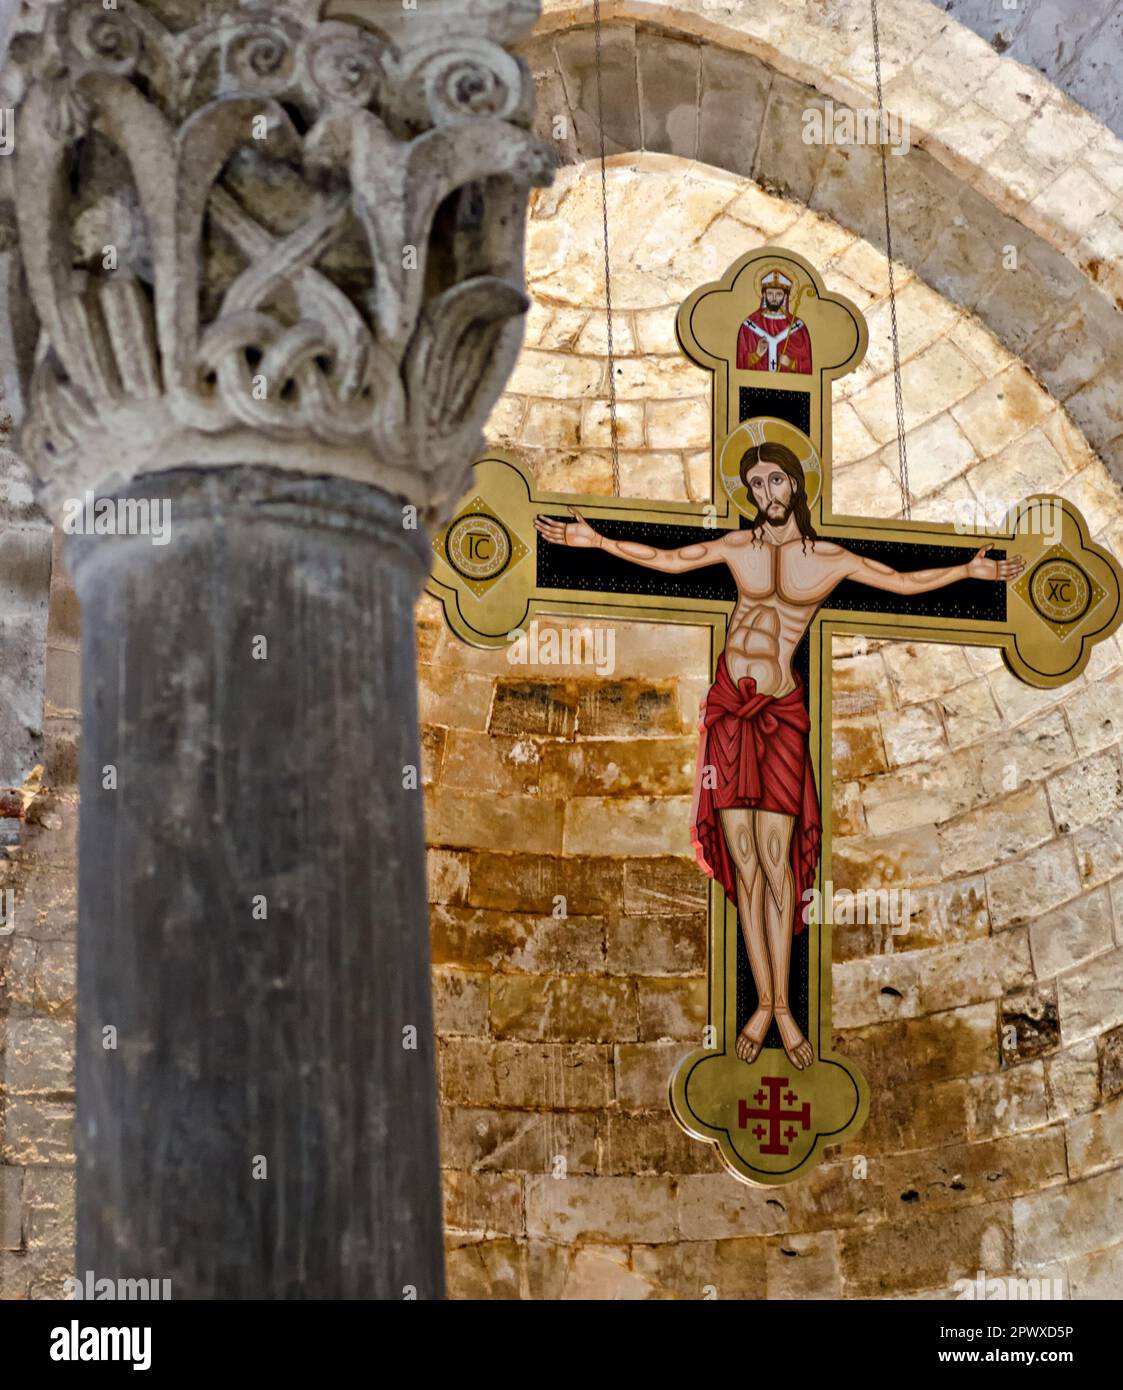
262	237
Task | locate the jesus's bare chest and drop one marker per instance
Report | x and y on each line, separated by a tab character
789	575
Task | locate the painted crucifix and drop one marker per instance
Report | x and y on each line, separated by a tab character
775	576
756	823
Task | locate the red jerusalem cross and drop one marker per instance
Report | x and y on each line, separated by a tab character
774	1114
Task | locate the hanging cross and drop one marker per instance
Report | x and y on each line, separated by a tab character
774	575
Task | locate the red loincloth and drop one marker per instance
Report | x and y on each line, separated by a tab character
757	746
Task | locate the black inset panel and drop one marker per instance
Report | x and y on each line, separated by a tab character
792	406
560	567
981	599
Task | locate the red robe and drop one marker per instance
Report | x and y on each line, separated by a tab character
757	746
797	347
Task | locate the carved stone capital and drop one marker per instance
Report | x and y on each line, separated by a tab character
262	236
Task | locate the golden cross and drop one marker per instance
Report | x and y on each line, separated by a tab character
766	1085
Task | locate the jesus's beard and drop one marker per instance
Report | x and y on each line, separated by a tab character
777	513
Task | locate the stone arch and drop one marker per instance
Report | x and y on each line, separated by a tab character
967	189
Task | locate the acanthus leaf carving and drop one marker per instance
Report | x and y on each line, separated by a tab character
242	243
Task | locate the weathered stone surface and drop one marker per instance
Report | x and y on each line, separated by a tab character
459	1002
1028	1024
11	1207
465	821
784	165
1069	1220
1071	934
25	568
39	1059
1089	1000
1072	1080
709	1207
667	74
524	1075
858	748
1006	1102
642	1071
997	831
1095	1141
634	825
704	1269
965	1174
672	1008
911	983
483	1140
1111	1062
516	881
484	1204
563	1008
663	886
804	1266
656	945
733	92
484	1269
651	1144
1040	881
613	767
38	1131
603	1272
1097	1275
606	1208
928	1252
478	939
953	1043
577	60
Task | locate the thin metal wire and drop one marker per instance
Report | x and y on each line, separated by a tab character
607	271
902	450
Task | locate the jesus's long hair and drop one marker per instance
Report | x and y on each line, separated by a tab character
783	458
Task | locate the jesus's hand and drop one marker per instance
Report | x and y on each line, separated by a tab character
1005	570
578	533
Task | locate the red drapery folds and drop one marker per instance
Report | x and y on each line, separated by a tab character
757	746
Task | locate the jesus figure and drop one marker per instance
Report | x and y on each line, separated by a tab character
756	821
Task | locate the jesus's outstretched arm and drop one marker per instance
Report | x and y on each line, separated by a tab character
580	534
879	576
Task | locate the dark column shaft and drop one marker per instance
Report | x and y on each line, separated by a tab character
241	1040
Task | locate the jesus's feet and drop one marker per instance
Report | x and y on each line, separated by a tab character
796	1045
753	1034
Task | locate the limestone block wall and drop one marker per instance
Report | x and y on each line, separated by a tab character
37	990
998	158
991	1035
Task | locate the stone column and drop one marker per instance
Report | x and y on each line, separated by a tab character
276	267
